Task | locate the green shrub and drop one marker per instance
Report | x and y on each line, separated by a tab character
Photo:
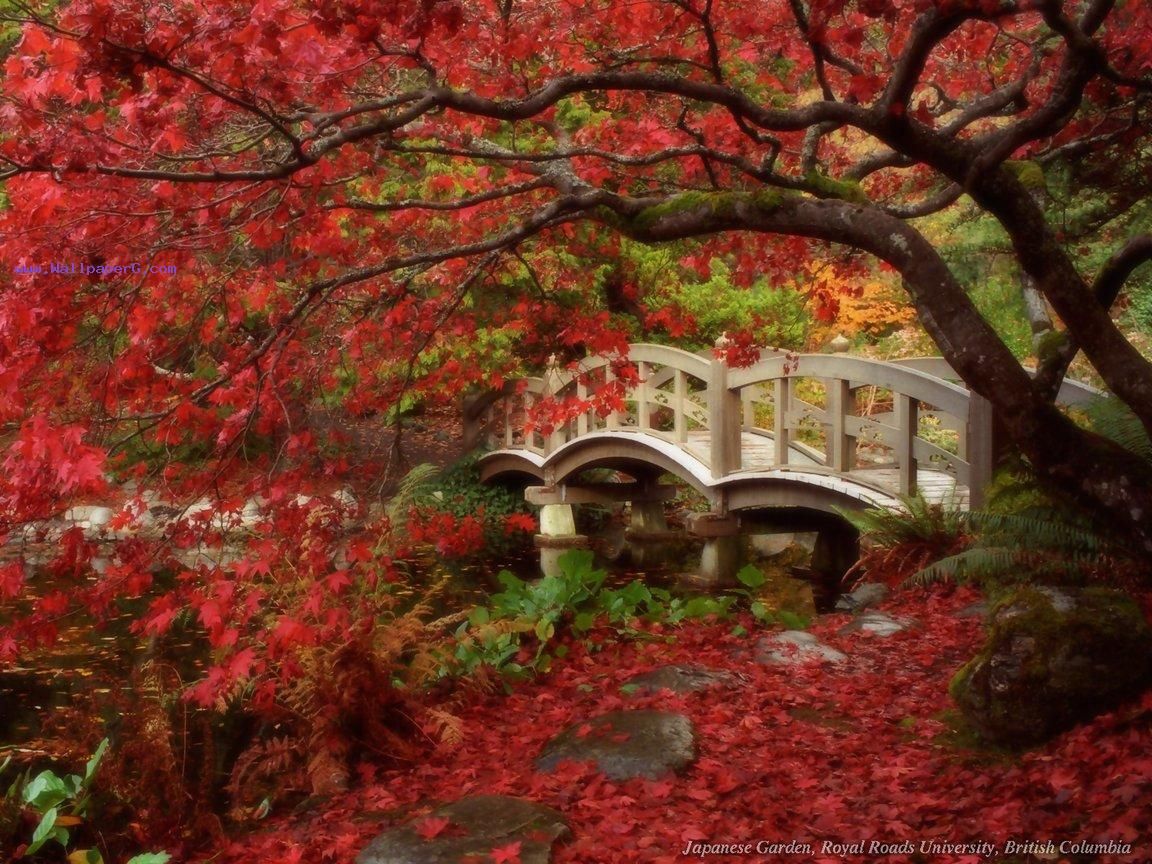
458	491
570	601
774	316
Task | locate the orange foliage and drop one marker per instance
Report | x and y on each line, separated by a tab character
871	305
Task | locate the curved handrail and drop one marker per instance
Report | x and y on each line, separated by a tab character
1072	393
860	371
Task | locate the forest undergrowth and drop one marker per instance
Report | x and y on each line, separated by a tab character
867	750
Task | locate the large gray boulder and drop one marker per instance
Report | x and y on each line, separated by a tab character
626	744
475	826
1053	658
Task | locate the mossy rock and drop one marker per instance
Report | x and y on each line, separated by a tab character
1053	658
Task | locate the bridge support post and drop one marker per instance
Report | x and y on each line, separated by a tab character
557	535
837	549
650	542
723	547
981	448
720	560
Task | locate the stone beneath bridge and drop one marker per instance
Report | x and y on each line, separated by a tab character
862	596
878	623
626	744
476	825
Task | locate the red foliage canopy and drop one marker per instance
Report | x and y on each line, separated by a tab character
220	215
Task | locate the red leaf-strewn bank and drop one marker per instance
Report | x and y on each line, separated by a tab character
823	755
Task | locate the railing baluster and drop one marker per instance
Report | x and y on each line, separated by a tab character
508	439
680	419
723	421
840	445
612	421
529	403
582	418
780	429
643	420
978	448
907	425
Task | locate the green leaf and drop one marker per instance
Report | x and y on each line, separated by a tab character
94	762
751	577
545	630
629	688
74	785
85	856
698	607
576	562
762	612
46	791
791	620
583	622
151	858
739	630
509	581
478	616
44	832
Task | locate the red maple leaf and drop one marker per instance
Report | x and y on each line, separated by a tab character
509	854
432	827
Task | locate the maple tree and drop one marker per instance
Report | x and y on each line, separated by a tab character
349	191
220	217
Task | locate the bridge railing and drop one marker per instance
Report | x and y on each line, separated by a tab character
662	391
822	413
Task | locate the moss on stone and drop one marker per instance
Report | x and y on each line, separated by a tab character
1051	660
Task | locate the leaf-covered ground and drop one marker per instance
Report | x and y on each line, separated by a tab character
866	751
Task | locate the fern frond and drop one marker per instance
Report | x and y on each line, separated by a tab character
1038	530
1115	420
448	727
1004	564
918	520
415	490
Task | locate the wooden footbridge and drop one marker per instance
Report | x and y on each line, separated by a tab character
814	431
